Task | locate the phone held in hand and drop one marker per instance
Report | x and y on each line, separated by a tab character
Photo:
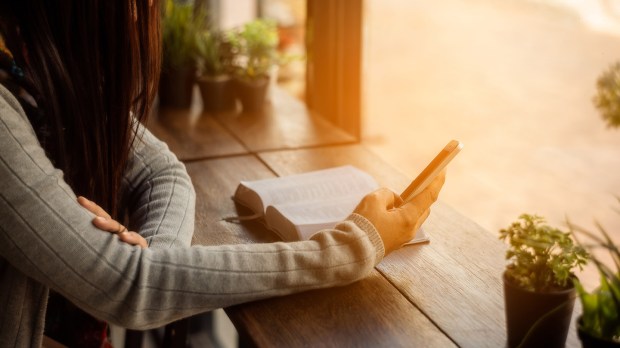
432	170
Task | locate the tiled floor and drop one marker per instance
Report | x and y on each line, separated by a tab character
513	80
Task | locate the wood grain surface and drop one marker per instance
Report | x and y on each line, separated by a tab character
455	279
215	182
192	135
284	123
444	293
368	313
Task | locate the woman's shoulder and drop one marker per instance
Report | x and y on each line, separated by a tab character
17	136
9	106
11	112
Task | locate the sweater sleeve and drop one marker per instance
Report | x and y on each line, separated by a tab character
158	193
47	236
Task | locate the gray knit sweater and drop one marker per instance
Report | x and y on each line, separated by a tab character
47	241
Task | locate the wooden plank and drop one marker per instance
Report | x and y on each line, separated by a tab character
215	181
284	124
455	279
192	135
368	313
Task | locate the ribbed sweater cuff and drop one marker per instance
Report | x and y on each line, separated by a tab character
372	233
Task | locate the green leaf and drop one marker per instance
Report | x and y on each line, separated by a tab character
543	257
601	307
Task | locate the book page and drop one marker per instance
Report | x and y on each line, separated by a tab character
310	217
297	206
319	185
420	237
333	210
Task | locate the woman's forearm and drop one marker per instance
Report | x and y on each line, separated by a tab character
158	193
50	238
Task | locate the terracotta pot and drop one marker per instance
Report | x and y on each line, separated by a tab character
537	319
217	93
590	341
176	87
252	94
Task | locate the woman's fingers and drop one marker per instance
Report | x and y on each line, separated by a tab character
109	225
387	198
421	219
396	222
124	235
133	238
428	196
93	207
104	222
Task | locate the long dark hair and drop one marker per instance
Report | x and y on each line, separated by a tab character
90	64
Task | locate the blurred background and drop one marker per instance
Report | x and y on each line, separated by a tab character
512	79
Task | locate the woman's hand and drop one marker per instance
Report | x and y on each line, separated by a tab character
104	222
396	222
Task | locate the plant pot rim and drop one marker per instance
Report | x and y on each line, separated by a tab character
569	288
252	80
216	78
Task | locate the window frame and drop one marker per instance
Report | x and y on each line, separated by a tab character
334	62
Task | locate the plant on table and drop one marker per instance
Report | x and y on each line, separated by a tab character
599	324
215	59
538	281
541	257
255	46
214	53
180	26
607	98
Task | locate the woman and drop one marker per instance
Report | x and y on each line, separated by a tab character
78	70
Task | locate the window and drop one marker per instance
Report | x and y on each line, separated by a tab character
514	81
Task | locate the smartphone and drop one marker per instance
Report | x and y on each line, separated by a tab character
432	170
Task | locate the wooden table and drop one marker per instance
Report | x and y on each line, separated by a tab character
284	124
444	293
191	135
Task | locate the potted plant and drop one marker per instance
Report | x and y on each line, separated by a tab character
180	25
255	47
599	324
215	71
607	98
538	289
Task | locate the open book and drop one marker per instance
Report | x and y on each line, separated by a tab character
297	206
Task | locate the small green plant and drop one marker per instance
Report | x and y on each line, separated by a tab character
215	53
255	47
601	307
180	26
607	98
541	257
